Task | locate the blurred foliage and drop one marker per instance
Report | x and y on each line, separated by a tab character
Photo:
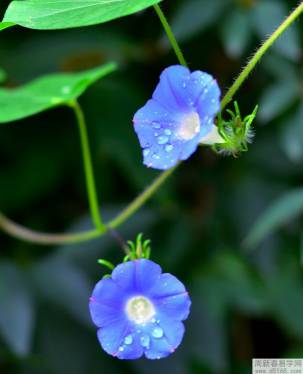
247	300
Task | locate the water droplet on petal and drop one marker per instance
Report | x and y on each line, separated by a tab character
162	140
146	152
184	85
169	148
157	332
145	341
167	131
121	349
153	320
128	339
156	125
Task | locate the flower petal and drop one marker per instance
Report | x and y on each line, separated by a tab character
170	297
209	103
131	351
111	337
103	315
136	276
169	90
108	293
173	332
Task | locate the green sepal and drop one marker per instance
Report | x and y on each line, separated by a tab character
236	132
106	263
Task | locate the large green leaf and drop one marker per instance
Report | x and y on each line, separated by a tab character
47	92
63	14
5	25
280	212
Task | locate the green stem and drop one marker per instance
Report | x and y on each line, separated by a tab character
25	234
170	35
31	236
259	54
88	169
141	199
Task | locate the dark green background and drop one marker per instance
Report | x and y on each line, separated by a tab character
246	302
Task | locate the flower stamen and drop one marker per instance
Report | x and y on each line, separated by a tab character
139	309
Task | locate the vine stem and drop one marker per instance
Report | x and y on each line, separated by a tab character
259	54
25	234
88	168
170	35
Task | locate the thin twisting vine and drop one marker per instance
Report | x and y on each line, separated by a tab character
31	236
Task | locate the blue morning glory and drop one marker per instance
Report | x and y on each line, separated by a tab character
139	311
179	116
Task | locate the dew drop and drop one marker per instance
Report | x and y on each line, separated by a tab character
184	85
128	339
167	131
156	125
146	152
145	341
153	320
157	332
162	140
121	349
169	148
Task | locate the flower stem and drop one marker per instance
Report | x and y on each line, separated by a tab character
141	199
170	35
259	54
30	236
88	169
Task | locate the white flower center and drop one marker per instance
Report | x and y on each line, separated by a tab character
189	127
139	309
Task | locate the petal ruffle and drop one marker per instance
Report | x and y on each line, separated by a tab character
170	297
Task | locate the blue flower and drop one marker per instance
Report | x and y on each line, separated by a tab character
139	311
179	116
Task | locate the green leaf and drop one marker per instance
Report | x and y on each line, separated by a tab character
280	212
17	309
47	92
63	14
5	25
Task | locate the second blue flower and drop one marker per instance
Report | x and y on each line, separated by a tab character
179	116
